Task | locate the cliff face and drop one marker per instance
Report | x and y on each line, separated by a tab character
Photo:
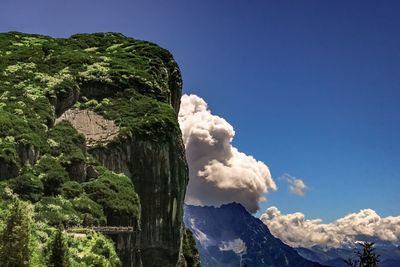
157	169
102	107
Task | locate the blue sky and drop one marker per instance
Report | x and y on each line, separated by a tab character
312	88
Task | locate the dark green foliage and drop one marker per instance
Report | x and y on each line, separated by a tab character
15	237
91	212
71	190
57	211
28	186
59	251
68	142
54	175
115	192
365	258
92	250
139	115
189	249
131	63
19	120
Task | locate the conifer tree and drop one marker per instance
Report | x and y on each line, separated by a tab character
366	258
15	238
59	251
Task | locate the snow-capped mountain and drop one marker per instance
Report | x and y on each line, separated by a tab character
229	236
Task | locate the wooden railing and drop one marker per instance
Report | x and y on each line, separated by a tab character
103	229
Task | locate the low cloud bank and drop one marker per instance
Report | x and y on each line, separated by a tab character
297	231
219	173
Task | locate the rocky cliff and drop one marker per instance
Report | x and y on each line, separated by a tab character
94	116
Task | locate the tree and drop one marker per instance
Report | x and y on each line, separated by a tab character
15	238
366	258
59	251
189	250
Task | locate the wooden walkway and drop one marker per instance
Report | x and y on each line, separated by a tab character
110	230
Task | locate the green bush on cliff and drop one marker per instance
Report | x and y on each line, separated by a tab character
91	212
92	249
57	210
71	189
52	174
116	194
138	115
189	250
28	186
15	131
65	140
78	211
90	58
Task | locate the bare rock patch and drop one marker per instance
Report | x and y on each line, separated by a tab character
93	126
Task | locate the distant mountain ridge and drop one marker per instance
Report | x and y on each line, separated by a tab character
389	255
229	236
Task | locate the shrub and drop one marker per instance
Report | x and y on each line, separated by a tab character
71	189
57	211
91	212
52	174
28	186
116	193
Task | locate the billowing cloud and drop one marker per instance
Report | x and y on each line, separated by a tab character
218	172
297	231
296	185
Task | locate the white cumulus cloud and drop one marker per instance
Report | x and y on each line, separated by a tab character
218	172
297	231
296	185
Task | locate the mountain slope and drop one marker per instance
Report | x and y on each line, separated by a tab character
230	236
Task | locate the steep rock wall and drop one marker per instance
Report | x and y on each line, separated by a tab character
159	172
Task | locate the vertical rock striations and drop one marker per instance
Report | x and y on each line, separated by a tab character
102	107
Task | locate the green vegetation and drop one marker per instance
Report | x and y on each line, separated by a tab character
41	76
15	238
26	241
65	141
53	66
138	115
59	251
52	174
91	212
43	179
92	249
71	189
189	249
57	211
28	186
116	194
